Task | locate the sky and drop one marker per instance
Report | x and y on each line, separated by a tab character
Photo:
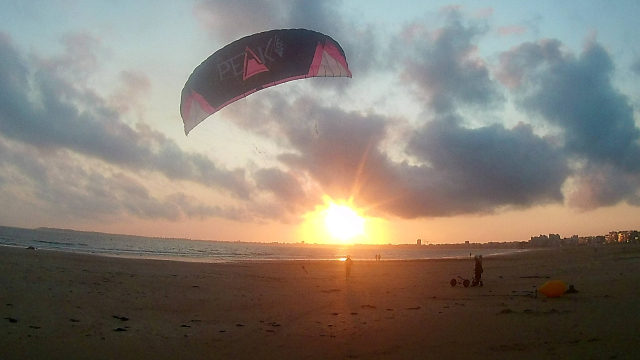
464	121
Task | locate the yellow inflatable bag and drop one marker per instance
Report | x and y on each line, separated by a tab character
554	288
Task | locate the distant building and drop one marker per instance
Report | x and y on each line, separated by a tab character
539	241
419	242
611	237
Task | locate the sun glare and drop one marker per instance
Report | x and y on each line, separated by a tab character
339	221
343	222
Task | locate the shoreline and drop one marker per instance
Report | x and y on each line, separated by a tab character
70	305
488	252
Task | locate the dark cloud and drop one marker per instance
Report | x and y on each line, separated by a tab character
483	169
519	63
194	208
456	170
635	67
52	114
59	185
603	185
80	60
445	68
285	186
576	94
134	86
341	154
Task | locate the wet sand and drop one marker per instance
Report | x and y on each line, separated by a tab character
60	305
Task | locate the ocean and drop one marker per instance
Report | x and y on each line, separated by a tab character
217	251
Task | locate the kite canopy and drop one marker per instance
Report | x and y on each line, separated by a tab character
256	62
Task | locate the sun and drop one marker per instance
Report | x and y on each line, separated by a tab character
343	222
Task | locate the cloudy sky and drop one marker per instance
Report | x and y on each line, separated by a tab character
470	120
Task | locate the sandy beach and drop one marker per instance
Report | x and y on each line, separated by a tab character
59	306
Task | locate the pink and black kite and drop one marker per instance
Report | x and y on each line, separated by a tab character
256	62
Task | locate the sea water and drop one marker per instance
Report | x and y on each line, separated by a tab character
219	251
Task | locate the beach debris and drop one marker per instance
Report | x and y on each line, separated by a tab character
414	308
223	331
506	311
330	291
335	314
11	320
34	327
367	306
185	326
119	329
354	313
273	324
553	288
31	248
121	318
9	304
571	290
389	309
534	277
239	325
305	270
74	320
195	286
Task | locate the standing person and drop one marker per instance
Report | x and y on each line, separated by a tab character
477	271
347	264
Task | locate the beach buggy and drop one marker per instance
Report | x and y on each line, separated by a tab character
477	275
460	280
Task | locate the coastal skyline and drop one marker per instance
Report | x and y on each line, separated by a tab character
496	119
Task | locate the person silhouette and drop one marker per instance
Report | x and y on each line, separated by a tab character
347	265
477	271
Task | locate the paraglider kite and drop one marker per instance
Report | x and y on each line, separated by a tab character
256	62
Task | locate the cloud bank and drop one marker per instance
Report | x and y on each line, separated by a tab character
66	147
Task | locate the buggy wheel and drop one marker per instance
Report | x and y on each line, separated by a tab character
465	283
453	282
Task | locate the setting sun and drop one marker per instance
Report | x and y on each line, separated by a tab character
343	222
340	221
